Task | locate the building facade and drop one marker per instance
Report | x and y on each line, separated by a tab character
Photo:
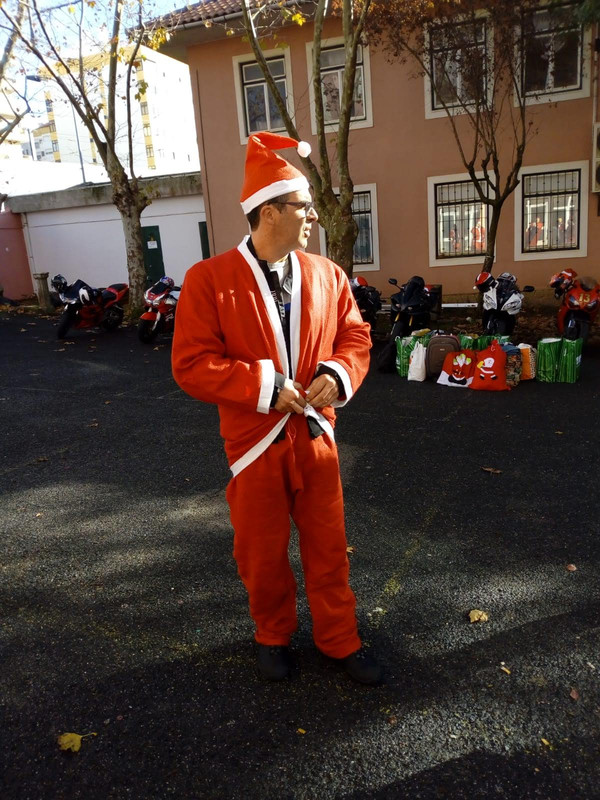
415	206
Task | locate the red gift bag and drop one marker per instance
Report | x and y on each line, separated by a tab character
490	369
458	369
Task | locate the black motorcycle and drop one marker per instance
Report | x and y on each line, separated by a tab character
410	310
368	300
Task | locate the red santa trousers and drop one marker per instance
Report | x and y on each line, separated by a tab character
298	477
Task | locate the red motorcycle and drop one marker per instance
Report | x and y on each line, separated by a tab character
580	303
159	316
86	307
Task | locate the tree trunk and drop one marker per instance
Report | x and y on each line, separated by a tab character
130	202
488	261
341	232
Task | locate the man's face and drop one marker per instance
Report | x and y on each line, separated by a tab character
293	226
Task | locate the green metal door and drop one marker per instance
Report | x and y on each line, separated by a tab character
153	258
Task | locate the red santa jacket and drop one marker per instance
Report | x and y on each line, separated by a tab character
229	342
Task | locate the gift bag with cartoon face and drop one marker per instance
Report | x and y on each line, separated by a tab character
458	369
490	369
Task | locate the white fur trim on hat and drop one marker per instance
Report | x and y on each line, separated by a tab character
274	190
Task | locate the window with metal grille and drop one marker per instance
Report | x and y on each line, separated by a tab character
362	214
332	78
552	51
144	107
550	211
260	109
461	220
458	55
149	151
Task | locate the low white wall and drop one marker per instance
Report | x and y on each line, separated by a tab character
88	242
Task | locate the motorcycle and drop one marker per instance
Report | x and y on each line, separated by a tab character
86	307
502	302
159	316
580	303
411	309
368	299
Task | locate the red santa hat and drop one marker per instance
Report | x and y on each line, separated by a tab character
267	174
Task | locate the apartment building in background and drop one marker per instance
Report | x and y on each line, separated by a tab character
163	126
416	207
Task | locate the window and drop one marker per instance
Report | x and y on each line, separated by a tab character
332	77
259	104
461	220
147	130
144	108
458	54
52	127
49	107
550	211
149	151
552	51
364	211
55	146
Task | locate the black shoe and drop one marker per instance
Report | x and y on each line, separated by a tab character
362	667
273	661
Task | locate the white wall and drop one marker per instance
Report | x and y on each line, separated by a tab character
88	242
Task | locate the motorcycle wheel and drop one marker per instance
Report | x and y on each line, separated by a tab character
146	332
113	319
65	322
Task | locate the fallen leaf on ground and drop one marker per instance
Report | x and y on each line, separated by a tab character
492	470
72	741
505	669
301	730
392	720
546	742
559	433
107	402
478	616
93	425
574	694
41	458
350	549
571	568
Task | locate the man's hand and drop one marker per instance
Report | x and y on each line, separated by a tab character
322	391
289	399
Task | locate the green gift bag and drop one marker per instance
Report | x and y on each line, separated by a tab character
467	342
483	341
404	347
569	361
548	352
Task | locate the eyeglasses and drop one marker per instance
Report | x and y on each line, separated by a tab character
307	205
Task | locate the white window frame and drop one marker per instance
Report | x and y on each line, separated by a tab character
331	127
434	261
249	58
376	265
560	95
437	113
546	255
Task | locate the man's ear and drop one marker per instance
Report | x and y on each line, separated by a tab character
267	214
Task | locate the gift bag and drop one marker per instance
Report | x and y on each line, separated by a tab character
466	342
404	347
569	361
548	351
527	361
458	369
490	369
416	366
513	364
485	341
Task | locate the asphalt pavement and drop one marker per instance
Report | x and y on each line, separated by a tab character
122	616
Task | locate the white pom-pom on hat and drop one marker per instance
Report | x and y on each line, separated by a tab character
304	149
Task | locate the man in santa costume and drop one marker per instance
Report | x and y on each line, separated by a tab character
272	335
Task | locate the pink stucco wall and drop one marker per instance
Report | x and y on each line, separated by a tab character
15	276
398	154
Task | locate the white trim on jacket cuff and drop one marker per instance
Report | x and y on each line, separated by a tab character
347	384
267	384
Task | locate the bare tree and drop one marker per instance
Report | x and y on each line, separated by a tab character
262	23
10	121
475	57
42	32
